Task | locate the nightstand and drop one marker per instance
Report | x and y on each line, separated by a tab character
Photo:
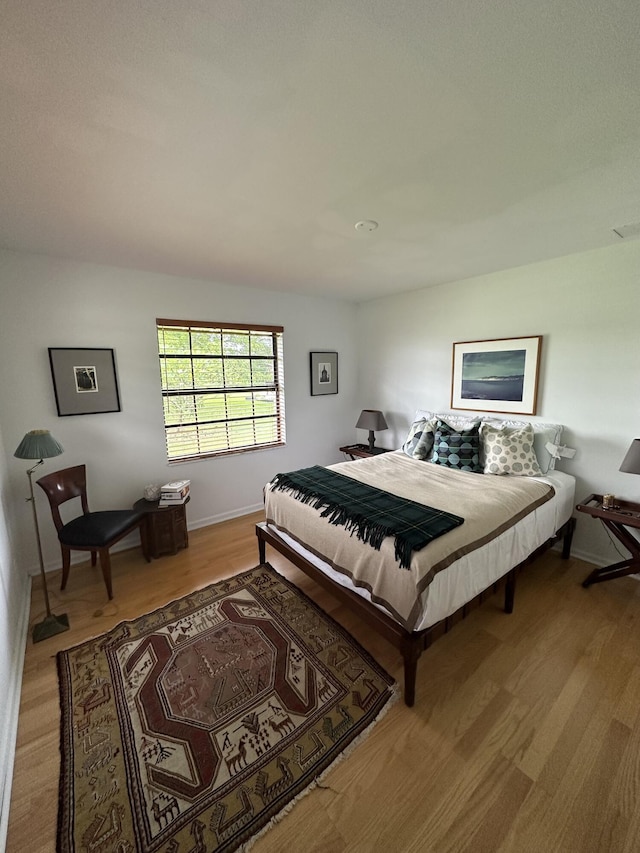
165	527
623	515
361	451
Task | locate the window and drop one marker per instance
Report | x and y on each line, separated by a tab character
222	387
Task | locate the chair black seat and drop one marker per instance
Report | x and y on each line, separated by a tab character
91	531
97	528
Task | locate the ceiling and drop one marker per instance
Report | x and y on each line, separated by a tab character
240	141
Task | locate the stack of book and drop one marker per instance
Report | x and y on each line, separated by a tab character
174	494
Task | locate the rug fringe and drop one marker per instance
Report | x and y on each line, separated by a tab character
364	734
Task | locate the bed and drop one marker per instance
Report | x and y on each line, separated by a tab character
507	521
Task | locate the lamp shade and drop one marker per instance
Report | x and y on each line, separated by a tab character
38	444
371	419
631	462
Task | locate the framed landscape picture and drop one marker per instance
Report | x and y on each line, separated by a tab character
496	376
324	372
84	380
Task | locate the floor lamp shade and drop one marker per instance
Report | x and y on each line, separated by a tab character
40	444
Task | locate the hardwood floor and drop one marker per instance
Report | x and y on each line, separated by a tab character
525	735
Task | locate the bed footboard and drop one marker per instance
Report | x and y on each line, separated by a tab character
410	644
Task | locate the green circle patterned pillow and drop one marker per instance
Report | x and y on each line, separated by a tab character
457	449
509	451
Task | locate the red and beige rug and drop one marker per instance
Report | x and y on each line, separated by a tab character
193	727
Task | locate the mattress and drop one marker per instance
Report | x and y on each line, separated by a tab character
378	578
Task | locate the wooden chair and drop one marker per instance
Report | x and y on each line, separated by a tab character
91	531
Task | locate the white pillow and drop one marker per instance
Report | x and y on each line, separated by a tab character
458	422
509	450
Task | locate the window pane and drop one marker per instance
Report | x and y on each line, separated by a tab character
209	342
177	374
262	372
182	442
235	344
179	410
174	341
266	430
213	438
261	344
264	402
207	373
211	407
237	373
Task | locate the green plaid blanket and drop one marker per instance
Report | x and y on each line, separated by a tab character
370	513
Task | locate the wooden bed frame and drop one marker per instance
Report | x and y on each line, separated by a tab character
411	644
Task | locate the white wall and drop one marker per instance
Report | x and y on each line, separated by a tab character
587	308
14	610
55	303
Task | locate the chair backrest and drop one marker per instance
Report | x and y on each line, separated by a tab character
62	486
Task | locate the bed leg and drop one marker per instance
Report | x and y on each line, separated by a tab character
410	652
568	538
510	591
262	548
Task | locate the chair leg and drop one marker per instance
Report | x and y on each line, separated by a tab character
66	563
94	556
105	565
144	540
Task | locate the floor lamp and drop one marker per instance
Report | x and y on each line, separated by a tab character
40	444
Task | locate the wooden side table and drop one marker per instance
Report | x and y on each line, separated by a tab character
361	451
165	527
625	514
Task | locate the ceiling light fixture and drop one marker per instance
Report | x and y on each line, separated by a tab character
366	225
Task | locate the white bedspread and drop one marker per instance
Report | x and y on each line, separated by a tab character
506	518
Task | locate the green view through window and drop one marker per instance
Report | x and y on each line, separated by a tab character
222	387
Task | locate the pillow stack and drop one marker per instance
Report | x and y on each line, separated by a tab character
482	444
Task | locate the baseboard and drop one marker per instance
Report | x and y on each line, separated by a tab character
225	516
133	541
9	730
598	562
589	557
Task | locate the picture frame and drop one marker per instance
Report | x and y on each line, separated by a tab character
84	380
499	375
323	373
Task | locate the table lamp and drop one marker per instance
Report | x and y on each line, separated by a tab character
372	420
631	462
40	444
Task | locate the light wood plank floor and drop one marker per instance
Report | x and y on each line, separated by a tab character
525	735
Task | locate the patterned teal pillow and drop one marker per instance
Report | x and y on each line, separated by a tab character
457	449
419	441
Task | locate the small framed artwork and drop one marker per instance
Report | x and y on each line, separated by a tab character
84	380
496	376
324	372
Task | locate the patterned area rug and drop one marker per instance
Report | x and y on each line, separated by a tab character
193	727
